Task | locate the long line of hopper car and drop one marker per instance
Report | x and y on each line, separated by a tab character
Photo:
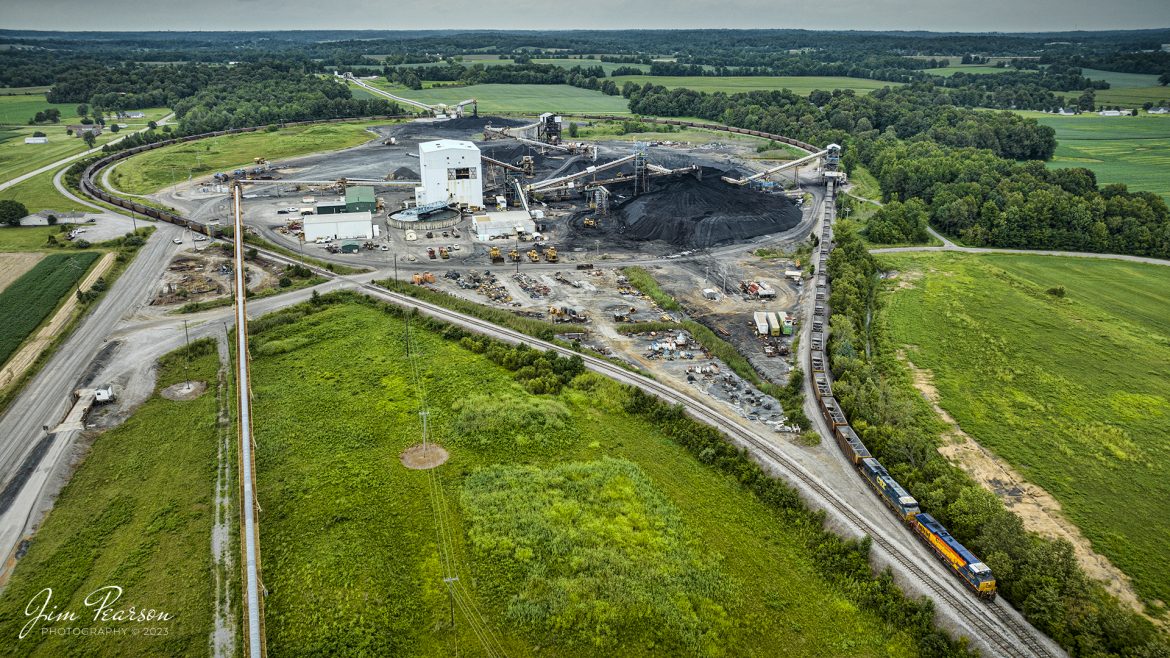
975	574
93	190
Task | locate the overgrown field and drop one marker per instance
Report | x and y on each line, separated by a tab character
735	84
1072	389
137	514
30	299
521	99
1130	150
153	170
574	527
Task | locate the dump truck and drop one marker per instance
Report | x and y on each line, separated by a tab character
550	254
534	255
443	253
495	255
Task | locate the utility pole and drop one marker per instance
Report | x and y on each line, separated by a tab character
395	267
187	366
424	415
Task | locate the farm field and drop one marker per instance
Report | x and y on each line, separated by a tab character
27	301
735	84
1133	97
1073	392
948	71
495	60
13	265
138	514
671	556
518	99
1130	150
1121	80
17	109
151	171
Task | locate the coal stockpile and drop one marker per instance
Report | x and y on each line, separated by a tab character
454	128
403	173
702	213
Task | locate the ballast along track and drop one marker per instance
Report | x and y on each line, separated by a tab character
1000	628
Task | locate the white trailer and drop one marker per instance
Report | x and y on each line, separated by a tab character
761	319
773	324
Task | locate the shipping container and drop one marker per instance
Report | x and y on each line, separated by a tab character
773	324
761	319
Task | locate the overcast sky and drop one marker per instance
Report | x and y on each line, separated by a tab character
939	15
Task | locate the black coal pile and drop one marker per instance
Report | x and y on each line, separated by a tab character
702	213
454	128
403	173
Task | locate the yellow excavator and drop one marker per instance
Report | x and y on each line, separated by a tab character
534	255
550	254
514	256
494	252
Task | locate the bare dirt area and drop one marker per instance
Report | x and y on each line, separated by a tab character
423	457
12	266
184	391
1040	512
207	274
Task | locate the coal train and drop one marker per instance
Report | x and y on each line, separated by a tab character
975	574
93	190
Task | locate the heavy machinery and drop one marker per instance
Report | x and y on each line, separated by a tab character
495	255
550	254
590	222
514	256
260	160
534	255
443	253
430	252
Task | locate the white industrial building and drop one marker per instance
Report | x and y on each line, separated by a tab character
451	172
502	224
339	226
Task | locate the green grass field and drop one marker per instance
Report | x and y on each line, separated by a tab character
620	519
1122	80
982	69
519	99
1130	150
18	109
38	193
149	172
137	514
27	301
732	85
1073	392
25	238
1133	97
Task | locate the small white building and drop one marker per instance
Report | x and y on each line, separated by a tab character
340	226
36	140
1115	113
451	171
502	224
1159	110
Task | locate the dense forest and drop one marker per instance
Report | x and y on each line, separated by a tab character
592	77
207	98
1040	576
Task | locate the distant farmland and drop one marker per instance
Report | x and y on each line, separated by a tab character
1130	150
30	299
520	99
735	84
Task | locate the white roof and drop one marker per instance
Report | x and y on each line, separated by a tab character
338	217
447	145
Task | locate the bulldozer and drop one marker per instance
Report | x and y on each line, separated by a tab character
550	254
260	160
534	255
496	257
514	256
590	222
